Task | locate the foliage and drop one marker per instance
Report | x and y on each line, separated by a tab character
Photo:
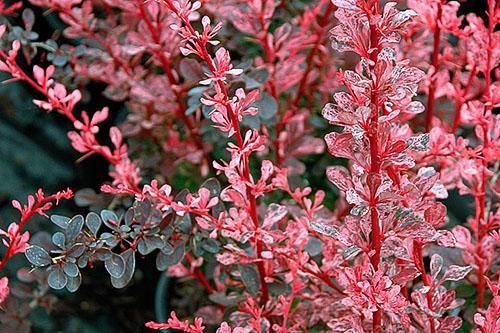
271	252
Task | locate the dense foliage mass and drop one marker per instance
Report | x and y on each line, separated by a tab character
408	90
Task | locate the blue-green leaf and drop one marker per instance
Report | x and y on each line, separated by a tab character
93	222
250	278
109	218
115	265
74	283
74	228
57	279
211	245
70	269
268	107
60	221
163	260
59	239
37	256
129	257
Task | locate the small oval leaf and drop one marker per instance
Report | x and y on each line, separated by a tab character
93	222
70	269
59	239
250	278
74	283
60	221
211	245
115	265
163	260
110	219
75	226
129	257
37	256
213	185
314	246
57	279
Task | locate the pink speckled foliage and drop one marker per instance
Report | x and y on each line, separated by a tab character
408	90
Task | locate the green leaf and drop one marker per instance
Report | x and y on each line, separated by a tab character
28	18
59	239
109	218
70	269
255	78
250	278
350	252
129	257
115	265
57	279
313	246
93	222
213	185
211	245
163	260
183	223
37	256
74	283
60	60
268	107
74	228
86	197
223	299
251	121
142	210
60	221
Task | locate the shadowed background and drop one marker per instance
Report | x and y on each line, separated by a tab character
36	153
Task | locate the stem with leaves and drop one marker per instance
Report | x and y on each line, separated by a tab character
37	204
419	263
435	67
376	236
322	24
252	209
481	209
155	31
461	100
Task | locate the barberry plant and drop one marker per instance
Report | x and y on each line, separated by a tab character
408	95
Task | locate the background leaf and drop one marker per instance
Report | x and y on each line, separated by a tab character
250	278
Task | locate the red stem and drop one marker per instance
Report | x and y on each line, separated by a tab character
286	312
376	241
270	58
419	262
180	111
435	64
200	276
25	218
325	278
239	140
374	152
268	52
481	218
481	206
5	258
323	21
112	158
418	258
461	101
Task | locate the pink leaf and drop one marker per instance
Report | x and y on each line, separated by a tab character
456	273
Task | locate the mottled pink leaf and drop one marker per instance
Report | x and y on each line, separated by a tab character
456	273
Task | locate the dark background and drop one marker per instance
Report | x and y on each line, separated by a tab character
36	153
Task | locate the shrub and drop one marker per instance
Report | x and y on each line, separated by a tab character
272	252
